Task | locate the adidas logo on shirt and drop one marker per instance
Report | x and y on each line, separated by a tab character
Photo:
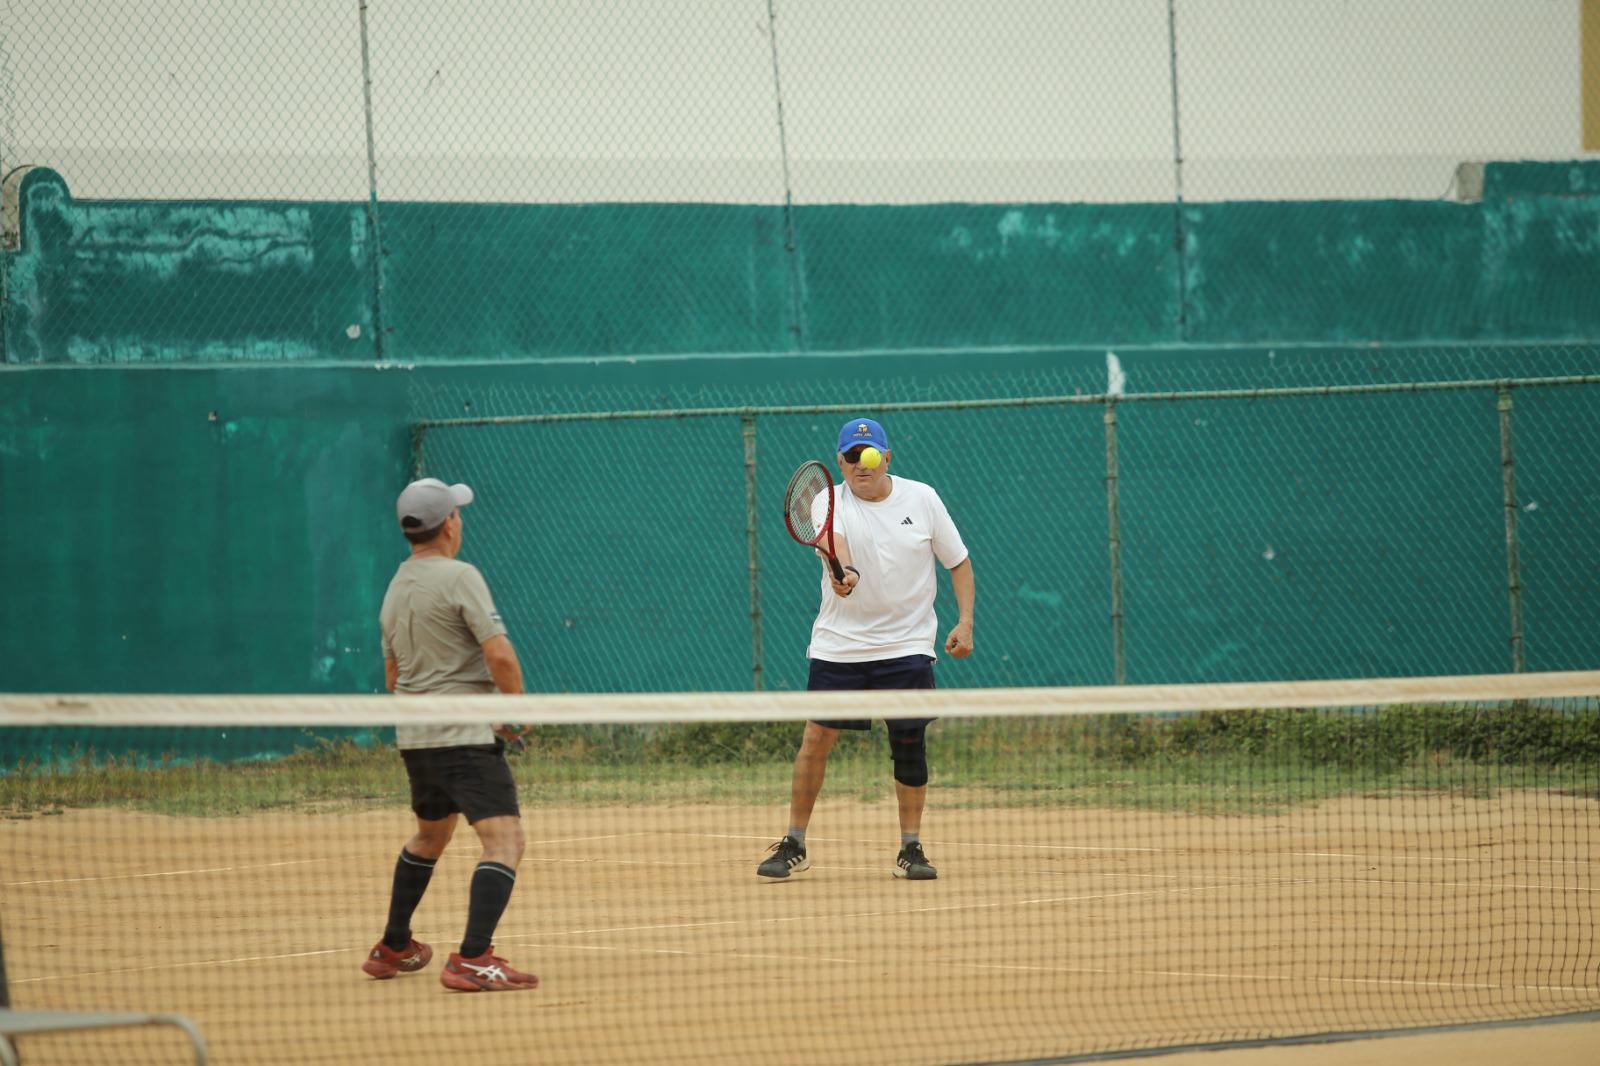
906	521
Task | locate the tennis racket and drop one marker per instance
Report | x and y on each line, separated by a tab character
811	479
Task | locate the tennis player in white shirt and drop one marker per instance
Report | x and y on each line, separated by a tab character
877	629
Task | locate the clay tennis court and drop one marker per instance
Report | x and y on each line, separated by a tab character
1050	932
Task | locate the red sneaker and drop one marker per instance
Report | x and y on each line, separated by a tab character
383	962
486	973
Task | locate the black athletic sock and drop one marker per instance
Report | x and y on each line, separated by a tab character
491	891
411	876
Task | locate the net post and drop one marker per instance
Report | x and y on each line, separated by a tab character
747	424
5	991
1508	485
1114	541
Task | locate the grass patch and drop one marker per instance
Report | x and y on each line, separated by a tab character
1244	762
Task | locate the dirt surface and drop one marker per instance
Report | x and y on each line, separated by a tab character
1049	933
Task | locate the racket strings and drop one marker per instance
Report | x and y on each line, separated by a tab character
803	491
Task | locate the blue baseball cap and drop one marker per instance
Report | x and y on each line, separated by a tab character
862	431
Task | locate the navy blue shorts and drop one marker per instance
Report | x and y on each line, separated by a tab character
908	671
471	779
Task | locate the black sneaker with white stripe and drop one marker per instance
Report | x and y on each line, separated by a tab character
913	865
788	857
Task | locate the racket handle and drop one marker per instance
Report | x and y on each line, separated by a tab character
838	571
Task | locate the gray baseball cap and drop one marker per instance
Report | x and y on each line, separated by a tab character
427	503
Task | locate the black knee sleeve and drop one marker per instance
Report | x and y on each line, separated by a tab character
910	755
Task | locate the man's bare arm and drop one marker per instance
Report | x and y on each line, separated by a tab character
959	642
503	664
852	576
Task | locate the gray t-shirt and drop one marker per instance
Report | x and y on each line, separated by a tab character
435	618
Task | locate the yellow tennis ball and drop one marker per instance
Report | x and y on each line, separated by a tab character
871	457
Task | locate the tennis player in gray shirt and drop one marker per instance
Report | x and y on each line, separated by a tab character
442	634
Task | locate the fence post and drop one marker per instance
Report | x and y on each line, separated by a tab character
374	232
1118	655
752	542
791	250
1508	485
1180	240
418	435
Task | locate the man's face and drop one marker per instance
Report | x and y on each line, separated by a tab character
864	481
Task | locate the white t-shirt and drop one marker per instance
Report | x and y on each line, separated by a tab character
893	542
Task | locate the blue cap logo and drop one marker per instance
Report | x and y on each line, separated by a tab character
862	431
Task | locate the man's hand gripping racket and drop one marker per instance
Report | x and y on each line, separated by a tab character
801	512
514	735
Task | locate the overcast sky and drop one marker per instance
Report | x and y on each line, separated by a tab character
986	100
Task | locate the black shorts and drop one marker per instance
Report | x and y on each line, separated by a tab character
471	779
908	671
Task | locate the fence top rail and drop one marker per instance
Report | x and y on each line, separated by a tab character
1498	384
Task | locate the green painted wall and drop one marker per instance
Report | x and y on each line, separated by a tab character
156	282
196	529
157	549
229	528
198	458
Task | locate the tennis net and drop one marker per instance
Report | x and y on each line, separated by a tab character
1119	869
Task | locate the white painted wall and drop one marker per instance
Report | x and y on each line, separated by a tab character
979	100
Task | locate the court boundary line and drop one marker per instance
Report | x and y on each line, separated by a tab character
1336	1037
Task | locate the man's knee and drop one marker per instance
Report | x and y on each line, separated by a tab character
909	750
817	740
502	833
432	837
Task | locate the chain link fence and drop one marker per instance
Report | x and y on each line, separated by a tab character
1357	530
745	101
510	179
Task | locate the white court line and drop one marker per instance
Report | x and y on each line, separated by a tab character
1054	847
701	954
942	843
180	965
1491	886
1271	977
258	866
580	840
723	864
1102	970
159	873
1389	857
1401	857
